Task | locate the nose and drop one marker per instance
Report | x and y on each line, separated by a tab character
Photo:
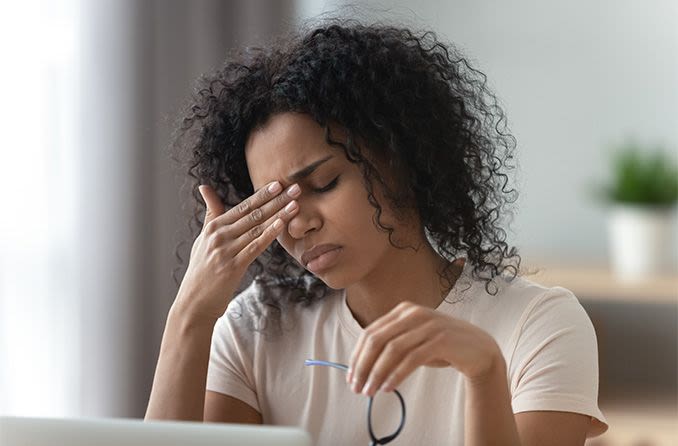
307	220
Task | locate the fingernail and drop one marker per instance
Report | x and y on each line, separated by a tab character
349	375
291	207
367	390
386	387
275	188
294	190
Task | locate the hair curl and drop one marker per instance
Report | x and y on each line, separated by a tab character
411	99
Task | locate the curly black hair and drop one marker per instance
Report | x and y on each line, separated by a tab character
400	96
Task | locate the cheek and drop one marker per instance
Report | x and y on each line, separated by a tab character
284	241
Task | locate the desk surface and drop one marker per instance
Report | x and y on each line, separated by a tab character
640	423
597	282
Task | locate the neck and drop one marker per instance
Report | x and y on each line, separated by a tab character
404	276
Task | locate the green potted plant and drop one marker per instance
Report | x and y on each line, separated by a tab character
642	195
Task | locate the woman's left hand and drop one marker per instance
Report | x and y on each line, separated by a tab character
409	336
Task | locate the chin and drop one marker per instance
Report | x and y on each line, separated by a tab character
334	278
332	281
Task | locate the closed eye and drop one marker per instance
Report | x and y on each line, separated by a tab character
329	187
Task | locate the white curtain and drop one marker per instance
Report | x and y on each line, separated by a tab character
91	203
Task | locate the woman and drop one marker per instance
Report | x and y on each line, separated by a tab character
358	173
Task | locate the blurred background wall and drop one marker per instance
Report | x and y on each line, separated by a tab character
573	77
94	207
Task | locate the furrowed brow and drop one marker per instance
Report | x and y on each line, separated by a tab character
306	171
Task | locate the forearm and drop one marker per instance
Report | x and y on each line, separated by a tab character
489	418
178	391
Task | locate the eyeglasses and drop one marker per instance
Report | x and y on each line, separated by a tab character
374	440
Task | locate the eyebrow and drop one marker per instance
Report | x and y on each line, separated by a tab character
306	171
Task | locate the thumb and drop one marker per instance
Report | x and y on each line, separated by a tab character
213	203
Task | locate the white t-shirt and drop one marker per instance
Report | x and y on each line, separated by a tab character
545	335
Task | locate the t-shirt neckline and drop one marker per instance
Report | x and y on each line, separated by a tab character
353	327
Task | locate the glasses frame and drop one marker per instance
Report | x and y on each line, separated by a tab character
374	440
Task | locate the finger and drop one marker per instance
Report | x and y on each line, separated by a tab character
375	341
393	354
415	358
213	205
246	229
259	244
285	215
376	325
249	204
256	208
392	315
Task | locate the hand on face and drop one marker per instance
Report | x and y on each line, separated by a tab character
409	336
228	243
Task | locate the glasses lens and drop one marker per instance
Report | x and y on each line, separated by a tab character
385	416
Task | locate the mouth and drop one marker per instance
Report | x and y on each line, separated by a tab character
317	251
324	261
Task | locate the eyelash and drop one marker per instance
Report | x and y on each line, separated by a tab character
329	187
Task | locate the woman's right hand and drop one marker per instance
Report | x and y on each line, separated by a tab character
228	243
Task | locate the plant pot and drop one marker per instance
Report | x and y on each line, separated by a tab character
640	240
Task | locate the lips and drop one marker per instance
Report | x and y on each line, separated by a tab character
316	251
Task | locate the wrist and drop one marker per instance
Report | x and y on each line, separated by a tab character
495	366
188	319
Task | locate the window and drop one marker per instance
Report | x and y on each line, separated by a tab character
38	295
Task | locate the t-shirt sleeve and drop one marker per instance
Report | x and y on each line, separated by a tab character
230	368
554	366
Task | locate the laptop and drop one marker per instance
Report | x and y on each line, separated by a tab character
23	431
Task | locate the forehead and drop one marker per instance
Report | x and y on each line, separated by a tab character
286	143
